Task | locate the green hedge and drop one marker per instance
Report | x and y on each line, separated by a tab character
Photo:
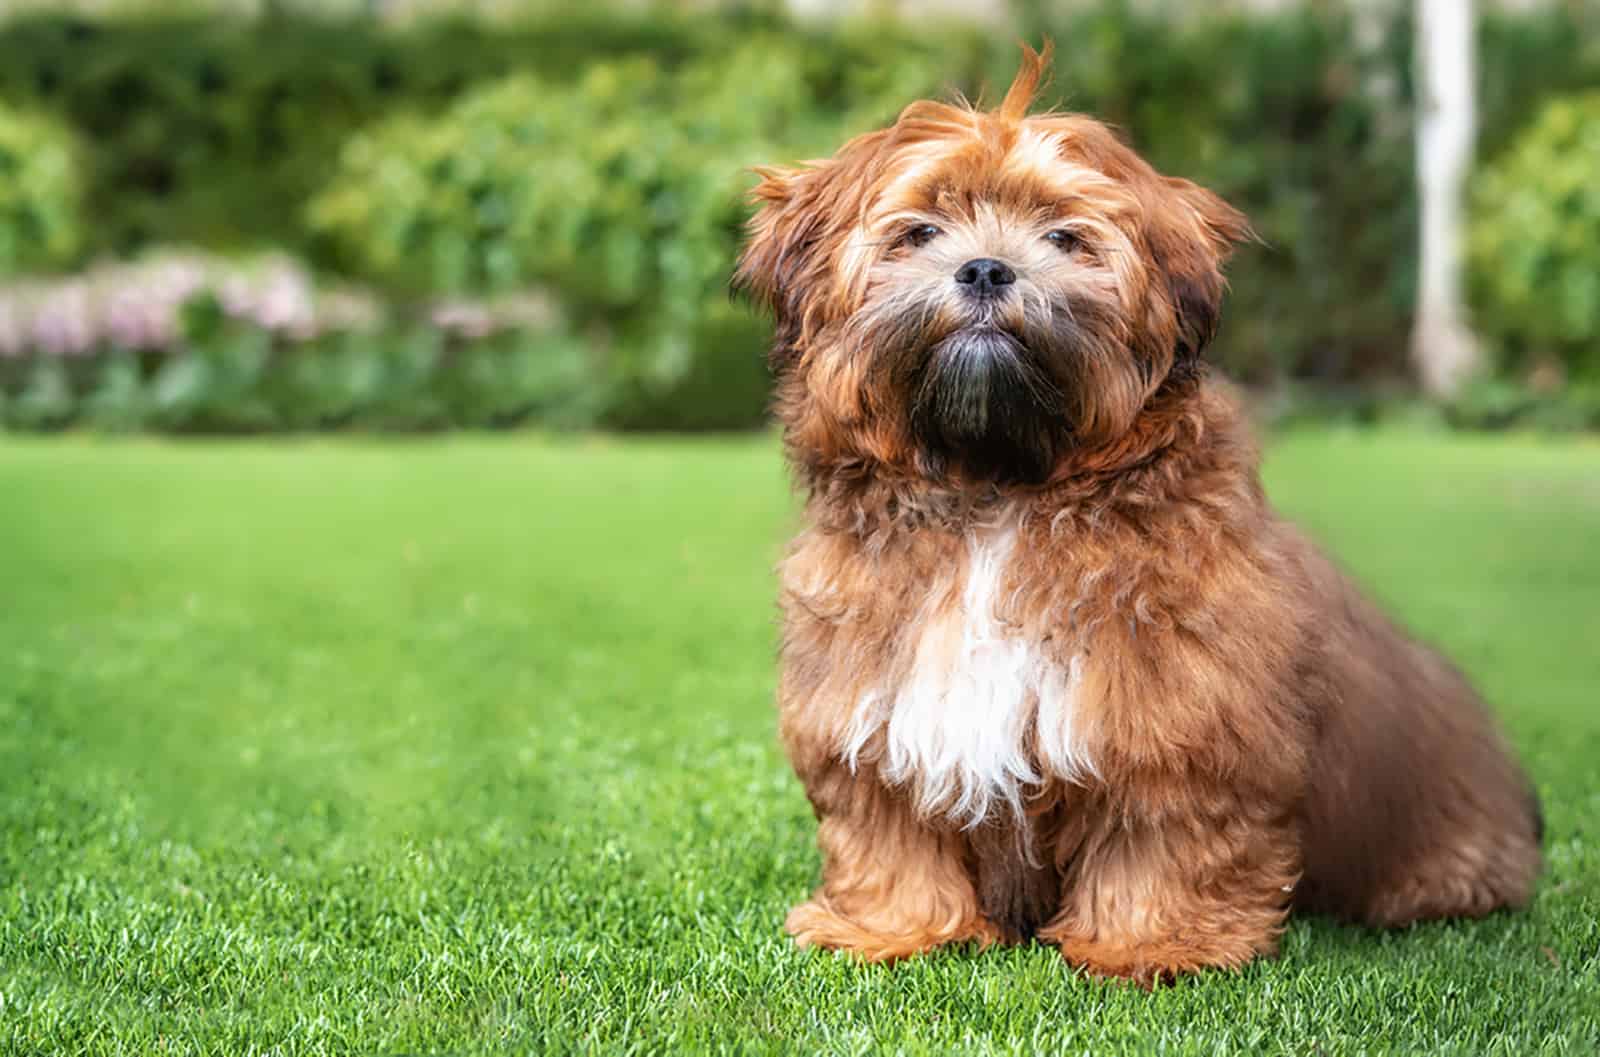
234	378
40	208
221	133
622	192
621	188
184	342
1535	243
214	131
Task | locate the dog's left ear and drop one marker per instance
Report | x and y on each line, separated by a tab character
1192	240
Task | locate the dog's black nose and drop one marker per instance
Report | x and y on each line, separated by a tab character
985	276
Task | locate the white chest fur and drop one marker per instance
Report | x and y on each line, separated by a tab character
973	712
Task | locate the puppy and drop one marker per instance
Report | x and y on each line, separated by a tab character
1051	666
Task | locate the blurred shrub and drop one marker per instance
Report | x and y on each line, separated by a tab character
214	131
599	154
1306	126
40	194
1528	56
622	192
1494	403
1535	242
236	377
186	342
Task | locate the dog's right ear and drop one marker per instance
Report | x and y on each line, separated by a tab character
779	262
805	215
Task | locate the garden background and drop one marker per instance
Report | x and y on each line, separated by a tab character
387	511
296	221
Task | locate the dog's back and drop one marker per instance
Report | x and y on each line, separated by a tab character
1414	808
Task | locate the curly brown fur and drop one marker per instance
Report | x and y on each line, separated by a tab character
1051	665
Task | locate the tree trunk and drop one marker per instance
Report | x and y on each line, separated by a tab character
1442	345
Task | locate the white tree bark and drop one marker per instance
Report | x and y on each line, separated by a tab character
1442	345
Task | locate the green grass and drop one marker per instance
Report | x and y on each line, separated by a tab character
467	746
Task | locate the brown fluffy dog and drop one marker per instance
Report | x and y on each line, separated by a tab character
1052	667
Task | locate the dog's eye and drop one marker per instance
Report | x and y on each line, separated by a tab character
920	235
1064	239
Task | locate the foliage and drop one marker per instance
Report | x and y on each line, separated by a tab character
1535	241
184	342
1529	56
236	378
232	377
214	131
366	748
1496	402
138	305
599	156
622	192
40	221
595	192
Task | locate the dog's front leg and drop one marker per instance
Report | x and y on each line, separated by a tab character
1151	898
1191	847
892	886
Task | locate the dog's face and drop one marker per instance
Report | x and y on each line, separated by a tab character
973	294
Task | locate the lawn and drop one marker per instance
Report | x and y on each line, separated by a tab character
467	745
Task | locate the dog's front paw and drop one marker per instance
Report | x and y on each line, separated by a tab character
1150	964
812	925
815	924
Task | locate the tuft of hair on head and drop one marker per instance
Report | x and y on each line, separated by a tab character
1032	76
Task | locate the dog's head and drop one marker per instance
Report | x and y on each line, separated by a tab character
975	293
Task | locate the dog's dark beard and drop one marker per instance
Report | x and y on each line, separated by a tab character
983	406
